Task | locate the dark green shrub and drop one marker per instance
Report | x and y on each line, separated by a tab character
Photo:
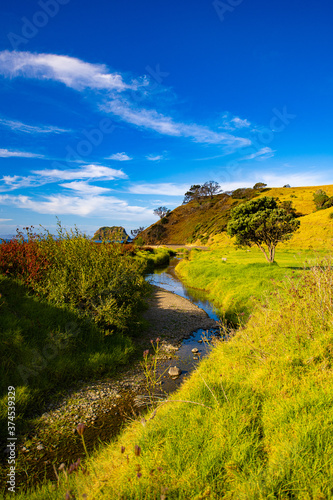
320	198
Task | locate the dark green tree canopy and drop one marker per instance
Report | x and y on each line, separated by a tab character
262	222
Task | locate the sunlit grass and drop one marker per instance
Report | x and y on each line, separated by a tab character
269	430
235	285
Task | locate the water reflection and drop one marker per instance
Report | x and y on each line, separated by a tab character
167	278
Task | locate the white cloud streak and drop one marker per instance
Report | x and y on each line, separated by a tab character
84	187
17	126
48	176
71	71
165	125
119	157
166	188
262	154
155	157
85	172
80	205
80	75
8	153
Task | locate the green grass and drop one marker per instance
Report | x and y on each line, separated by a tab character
46	349
156	257
235	285
265	430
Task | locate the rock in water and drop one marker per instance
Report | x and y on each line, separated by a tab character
195	350
174	371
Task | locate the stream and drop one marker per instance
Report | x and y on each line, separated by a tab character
167	279
43	450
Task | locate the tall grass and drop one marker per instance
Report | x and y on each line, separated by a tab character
268	431
69	309
236	280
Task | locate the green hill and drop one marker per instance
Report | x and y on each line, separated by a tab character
205	221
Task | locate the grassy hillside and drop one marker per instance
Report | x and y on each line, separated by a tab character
206	222
253	422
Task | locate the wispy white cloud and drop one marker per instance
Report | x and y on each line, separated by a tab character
5	220
85	205
119	157
262	154
239	123
85	172
80	75
11	182
32	129
8	153
47	176
294	179
71	71
152	120
155	157
249	179
165	188
84	187
230	122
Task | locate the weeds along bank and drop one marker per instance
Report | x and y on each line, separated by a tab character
254	421
69	310
236	279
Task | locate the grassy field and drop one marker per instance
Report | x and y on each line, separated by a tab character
255	420
236	284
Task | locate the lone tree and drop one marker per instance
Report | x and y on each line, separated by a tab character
136	232
262	222
259	185
194	193
210	188
162	212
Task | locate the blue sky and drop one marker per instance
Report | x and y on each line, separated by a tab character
110	109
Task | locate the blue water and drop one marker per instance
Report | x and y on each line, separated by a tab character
167	278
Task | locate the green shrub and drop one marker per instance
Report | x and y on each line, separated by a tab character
101	281
320	198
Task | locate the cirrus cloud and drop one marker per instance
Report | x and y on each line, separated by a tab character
118	96
9	153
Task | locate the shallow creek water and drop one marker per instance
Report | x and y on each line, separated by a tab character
36	465
184	358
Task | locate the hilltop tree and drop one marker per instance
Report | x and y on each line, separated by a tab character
259	185
162	212
198	191
210	188
136	232
194	193
262	222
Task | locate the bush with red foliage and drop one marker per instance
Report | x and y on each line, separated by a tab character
128	249
23	259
